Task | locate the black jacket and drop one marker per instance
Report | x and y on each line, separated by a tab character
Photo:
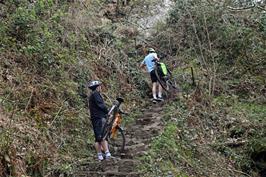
97	106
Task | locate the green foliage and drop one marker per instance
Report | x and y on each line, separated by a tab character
252	111
263	23
49	50
227	51
5	141
257	151
219	40
164	154
23	20
249	125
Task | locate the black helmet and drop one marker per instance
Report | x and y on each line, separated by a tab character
94	84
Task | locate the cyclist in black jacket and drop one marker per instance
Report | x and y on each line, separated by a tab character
98	112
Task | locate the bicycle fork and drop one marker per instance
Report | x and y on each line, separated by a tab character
116	125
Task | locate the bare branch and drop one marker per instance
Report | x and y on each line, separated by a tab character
31	95
254	5
261	7
242	8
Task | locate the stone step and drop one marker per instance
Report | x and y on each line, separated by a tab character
135	140
144	121
138	136
138	146
108	174
114	164
155	125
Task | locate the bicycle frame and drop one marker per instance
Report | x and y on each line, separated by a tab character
114	120
116	125
112	132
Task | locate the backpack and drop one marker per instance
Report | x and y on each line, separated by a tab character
163	69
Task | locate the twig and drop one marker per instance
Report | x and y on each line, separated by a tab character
192	77
254	5
212	79
199	42
100	53
260	7
230	143
224	74
242	8
57	113
137	25
241	172
29	100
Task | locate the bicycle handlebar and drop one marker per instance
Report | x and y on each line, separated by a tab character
120	100
116	104
125	113
156	61
111	110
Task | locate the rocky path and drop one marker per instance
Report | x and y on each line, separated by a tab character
138	137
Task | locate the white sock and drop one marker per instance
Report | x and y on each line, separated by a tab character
160	95
100	156
107	154
154	96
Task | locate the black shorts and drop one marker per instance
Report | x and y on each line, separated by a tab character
98	125
153	76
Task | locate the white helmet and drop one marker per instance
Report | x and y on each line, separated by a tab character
151	50
94	84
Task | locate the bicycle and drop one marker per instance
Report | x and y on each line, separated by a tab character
112	131
168	82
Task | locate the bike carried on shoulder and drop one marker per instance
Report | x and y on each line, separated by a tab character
113	132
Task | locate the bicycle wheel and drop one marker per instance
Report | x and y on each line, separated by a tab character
117	143
172	84
106	131
161	80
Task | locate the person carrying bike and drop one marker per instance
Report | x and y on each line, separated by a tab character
150	65
98	113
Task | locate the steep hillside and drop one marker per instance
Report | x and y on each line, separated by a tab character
219	125
49	50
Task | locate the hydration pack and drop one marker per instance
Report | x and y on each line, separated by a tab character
163	69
